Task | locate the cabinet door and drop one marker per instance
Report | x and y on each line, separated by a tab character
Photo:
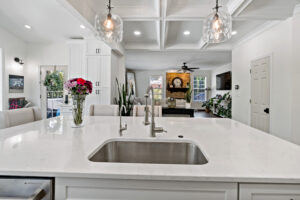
93	69
91	99
96	47
71	188
76	60
105	96
269	192
105	71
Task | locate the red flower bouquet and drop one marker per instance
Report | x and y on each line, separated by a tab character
79	89
79	86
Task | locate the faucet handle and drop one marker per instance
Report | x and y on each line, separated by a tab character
160	130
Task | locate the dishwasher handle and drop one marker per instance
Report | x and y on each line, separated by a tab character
39	195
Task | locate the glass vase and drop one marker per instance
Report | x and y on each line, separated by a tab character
78	110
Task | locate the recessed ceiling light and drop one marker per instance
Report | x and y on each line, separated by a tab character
186	32
234	32
137	33
82	26
27	26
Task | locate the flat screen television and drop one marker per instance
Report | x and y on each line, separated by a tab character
224	81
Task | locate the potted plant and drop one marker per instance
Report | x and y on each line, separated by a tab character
188	97
123	99
79	89
208	105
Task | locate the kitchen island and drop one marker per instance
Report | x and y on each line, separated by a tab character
242	161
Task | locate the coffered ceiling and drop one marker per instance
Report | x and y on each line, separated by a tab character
162	23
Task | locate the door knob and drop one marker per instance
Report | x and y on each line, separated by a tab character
267	110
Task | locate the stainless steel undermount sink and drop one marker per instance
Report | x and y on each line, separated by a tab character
184	153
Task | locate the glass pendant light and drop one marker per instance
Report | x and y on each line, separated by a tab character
109	26
217	26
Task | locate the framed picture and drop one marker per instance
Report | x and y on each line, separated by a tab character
131	82
16	84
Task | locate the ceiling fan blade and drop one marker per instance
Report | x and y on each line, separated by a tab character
194	68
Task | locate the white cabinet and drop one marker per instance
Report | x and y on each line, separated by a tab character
76	59
95	47
93	69
72	188
98	70
104	94
269	192
92	60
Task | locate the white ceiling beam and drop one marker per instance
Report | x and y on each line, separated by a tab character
141	18
164	28
158	33
236	7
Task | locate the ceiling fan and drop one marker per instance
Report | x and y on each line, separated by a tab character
185	68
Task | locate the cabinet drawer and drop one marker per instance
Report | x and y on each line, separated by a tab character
269	192
143	190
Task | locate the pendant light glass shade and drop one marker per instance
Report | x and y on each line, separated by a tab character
109	26
217	27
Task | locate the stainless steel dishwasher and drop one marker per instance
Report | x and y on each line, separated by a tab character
14	188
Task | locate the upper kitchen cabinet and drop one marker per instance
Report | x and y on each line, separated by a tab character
76	59
96	47
95	61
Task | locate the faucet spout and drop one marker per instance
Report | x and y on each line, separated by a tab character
154	129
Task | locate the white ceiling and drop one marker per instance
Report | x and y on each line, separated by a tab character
50	22
162	23
164	60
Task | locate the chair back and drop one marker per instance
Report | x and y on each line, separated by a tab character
10	118
139	110
104	110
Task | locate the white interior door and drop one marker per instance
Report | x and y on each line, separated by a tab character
43	90
260	94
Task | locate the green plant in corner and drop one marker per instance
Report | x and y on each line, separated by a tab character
208	104
124	99
224	106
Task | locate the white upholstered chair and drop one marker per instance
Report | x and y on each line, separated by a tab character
10	118
104	110
139	110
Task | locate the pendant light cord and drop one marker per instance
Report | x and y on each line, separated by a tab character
109	6
217	6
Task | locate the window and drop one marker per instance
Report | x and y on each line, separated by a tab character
199	89
157	84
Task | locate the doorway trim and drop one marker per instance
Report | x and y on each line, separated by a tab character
40	81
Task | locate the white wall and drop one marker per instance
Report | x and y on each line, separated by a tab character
276	41
1	79
37	55
143	81
214	73
296	77
117	71
12	47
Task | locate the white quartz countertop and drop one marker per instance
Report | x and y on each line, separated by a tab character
236	152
